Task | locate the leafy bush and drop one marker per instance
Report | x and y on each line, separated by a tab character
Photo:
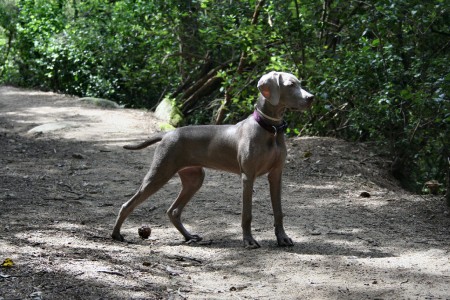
379	69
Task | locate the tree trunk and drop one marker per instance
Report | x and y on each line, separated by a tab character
188	36
8	50
75	9
221	112
447	194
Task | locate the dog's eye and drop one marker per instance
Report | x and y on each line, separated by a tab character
289	83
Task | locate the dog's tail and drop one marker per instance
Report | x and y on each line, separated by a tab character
152	140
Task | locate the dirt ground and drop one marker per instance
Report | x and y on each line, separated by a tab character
62	184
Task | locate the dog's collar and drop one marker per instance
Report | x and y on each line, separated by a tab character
259	118
266	116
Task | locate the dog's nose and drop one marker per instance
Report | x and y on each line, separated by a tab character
307	96
310	98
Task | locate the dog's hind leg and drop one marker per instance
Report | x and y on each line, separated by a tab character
152	182
191	180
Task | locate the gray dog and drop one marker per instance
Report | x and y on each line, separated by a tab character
251	148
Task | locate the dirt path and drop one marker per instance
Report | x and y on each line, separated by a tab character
60	191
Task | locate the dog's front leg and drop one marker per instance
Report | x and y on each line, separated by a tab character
275	195
247	187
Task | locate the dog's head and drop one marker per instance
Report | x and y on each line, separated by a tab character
284	89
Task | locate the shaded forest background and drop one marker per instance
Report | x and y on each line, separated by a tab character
379	69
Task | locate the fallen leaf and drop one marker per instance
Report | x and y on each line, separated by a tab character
7	263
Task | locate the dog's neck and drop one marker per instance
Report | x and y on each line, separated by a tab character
271	114
269	117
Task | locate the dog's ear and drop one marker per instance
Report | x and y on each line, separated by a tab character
269	87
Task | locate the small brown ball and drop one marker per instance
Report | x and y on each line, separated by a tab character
144	232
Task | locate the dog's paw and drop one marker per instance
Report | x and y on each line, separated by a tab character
118	237
251	243
285	241
193	239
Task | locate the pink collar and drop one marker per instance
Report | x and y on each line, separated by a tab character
269	127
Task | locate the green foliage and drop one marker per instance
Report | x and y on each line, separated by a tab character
389	84
8	19
379	69
115	50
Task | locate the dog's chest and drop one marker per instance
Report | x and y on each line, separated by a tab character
276	148
271	154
